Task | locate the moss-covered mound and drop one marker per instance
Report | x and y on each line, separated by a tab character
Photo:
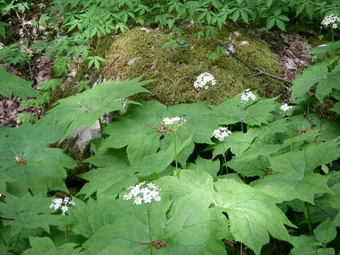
139	51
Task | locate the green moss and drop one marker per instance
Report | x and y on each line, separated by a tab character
174	72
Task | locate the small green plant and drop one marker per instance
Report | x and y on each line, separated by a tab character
144	194
94	61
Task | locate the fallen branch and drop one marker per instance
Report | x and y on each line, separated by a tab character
255	69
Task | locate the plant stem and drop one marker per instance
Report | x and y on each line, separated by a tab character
176	156
149	226
224	160
306	210
3	240
16	242
101	127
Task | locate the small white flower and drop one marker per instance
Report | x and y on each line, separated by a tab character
285	107
64	209
1	46
221	133
173	123
204	80
247	95
127	196
62	204
143	193
331	21
138	200
152	186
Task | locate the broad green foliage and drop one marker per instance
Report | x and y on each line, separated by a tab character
274	174
200	206
85	108
27	213
293	172
26	158
44	245
142	129
317	74
12	84
253	215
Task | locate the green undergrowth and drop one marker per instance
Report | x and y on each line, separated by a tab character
272	176
174	71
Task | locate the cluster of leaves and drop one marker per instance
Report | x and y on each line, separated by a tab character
276	164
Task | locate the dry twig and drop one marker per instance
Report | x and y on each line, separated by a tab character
255	69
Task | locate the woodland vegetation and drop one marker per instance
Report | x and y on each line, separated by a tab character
252	173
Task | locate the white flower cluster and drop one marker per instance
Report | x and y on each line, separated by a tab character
203	81
1	46
221	133
247	95
143	193
285	107
331	21
174	121
62	204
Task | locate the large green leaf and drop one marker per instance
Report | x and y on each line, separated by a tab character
325	232
253	214
252	113
12	84
107	182
45	246
310	76
85	108
326	86
293	172
26	158
111	176
27	212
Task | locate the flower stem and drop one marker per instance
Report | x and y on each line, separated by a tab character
149	226
224	160
176	156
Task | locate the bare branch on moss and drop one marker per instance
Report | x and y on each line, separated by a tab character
255	69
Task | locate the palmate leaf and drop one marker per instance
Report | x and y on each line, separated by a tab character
111	176
253	215
326	86
312	75
45	246
12	84
87	218
85	108
26	158
140	128
293	172
252	113
27	212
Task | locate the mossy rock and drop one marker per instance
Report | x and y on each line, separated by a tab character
140	52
